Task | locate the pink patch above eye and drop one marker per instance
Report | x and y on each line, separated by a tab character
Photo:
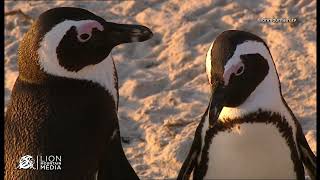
86	28
231	70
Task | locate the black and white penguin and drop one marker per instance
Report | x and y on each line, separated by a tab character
64	102
248	131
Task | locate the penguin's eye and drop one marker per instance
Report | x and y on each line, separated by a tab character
240	70
84	37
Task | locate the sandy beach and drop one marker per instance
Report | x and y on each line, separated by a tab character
162	82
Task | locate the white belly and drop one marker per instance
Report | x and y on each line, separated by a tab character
256	151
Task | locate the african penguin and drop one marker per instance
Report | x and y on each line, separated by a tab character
65	99
248	131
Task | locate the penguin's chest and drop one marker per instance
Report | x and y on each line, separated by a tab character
250	150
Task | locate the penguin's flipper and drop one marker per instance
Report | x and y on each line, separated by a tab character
190	163
115	164
307	156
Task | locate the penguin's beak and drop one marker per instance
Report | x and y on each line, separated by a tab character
217	102
126	33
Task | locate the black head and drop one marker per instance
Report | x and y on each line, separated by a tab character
237	63
71	39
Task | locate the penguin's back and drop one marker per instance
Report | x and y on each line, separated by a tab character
62	117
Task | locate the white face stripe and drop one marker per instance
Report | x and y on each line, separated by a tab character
249	47
102	73
208	63
266	96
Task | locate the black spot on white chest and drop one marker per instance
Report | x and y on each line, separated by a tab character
248	147
250	150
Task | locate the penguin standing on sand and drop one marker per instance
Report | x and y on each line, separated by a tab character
248	131
64	102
